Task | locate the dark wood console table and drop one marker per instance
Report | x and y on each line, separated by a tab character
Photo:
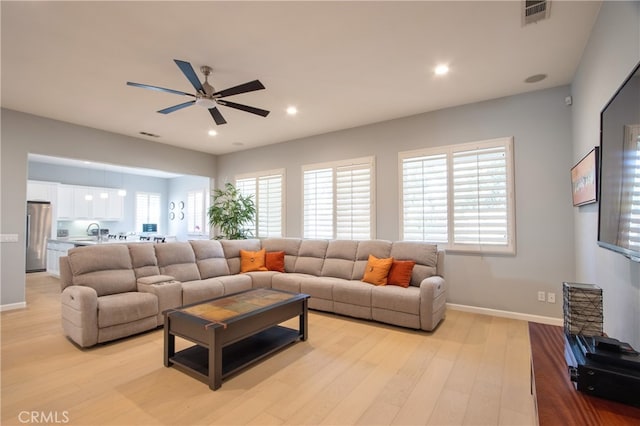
557	400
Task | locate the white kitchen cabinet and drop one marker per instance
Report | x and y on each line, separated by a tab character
86	202
65	202
82	205
41	191
56	250
107	204
115	206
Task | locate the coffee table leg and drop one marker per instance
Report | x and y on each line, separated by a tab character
303	321
169	343
215	360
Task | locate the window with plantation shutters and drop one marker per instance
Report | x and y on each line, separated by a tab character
147	209
270	206
338	200
318	203
424	198
460	196
197	206
268	195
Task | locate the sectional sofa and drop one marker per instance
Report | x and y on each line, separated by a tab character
113	290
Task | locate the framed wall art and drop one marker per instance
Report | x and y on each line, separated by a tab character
584	179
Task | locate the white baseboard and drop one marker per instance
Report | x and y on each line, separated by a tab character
12	306
507	314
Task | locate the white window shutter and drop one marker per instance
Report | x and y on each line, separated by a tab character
269	206
353	202
480	197
424	198
147	209
318	203
196	212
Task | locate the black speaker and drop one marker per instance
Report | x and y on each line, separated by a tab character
582	307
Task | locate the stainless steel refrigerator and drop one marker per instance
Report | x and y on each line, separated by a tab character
38	232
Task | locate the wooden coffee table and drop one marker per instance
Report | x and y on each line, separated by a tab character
232	332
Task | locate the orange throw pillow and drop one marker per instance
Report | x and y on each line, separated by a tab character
400	273
274	261
252	261
377	270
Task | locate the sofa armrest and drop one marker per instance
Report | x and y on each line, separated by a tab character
80	314
432	301
169	294
156	279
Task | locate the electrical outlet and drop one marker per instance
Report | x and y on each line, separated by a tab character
8	238
541	296
551	297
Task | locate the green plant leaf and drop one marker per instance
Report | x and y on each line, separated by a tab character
231	211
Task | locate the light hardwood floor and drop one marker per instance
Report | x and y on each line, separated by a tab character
474	369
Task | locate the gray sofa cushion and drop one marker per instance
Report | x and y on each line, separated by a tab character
124	308
319	287
340	258
106	268
288	282
353	293
99	258
143	259
394	298
177	260
425	256
311	257
210	258
379	248
198	291
232	251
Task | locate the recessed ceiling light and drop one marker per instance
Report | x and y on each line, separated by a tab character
212	132
535	78
441	69
292	110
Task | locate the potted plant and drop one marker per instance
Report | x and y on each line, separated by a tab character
230	212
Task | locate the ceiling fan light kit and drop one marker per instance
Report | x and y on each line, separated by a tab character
206	96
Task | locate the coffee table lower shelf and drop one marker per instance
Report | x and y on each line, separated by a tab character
237	356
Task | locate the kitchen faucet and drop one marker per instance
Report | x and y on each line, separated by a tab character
99	236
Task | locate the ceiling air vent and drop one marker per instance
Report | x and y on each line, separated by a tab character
535	10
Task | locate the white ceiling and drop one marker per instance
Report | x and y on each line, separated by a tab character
342	64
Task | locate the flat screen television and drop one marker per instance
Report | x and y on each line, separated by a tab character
619	208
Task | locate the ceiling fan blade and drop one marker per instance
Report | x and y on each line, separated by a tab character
247	108
242	88
188	72
176	107
217	117
159	89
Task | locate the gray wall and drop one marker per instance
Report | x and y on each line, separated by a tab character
25	133
541	125
610	55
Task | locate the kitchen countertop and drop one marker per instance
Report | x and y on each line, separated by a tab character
88	241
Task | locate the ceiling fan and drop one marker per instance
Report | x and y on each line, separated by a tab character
205	95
